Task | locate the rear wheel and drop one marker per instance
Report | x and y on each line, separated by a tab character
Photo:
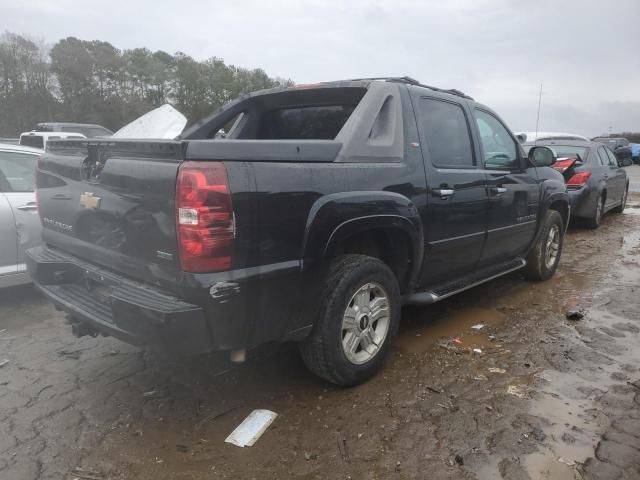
594	220
623	201
544	257
357	315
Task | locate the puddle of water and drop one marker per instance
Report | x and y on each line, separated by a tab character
418	332
569	403
628	270
543	466
568	410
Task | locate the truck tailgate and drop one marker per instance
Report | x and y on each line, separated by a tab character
113	203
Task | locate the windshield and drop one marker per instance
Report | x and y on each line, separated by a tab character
35	141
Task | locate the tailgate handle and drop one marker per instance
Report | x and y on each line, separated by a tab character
28	206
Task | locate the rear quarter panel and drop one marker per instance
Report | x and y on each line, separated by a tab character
286	215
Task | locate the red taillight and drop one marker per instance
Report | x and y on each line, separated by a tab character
579	179
205	217
564	164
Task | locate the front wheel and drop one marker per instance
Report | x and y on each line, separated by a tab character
357	315
544	257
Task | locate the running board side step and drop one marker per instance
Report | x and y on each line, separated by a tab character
446	290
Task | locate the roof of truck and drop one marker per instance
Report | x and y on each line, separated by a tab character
412	81
70	124
19	148
35	133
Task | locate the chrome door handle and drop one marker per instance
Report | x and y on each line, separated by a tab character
443	192
498	190
28	206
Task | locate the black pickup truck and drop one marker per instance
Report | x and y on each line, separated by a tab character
324	210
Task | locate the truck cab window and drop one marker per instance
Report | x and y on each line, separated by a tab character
444	129
498	147
322	122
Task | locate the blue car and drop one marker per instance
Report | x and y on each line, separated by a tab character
635	153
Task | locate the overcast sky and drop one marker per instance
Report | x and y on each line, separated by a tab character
585	53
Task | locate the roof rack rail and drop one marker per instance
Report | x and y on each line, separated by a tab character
413	81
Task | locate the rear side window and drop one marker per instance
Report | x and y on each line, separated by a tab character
304	123
612	158
17	172
35	141
604	160
445	130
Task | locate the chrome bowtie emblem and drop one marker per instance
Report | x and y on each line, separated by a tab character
89	200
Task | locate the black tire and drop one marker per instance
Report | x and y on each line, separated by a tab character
323	351
623	201
594	220
537	267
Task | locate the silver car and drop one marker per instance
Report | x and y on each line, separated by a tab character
19	222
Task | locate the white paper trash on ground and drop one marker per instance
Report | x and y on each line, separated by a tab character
252	428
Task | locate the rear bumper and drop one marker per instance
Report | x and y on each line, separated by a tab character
583	201
117	306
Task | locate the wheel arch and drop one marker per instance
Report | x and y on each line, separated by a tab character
385	225
558	201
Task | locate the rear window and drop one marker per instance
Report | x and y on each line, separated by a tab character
35	141
98	132
568	151
561	151
289	114
304	123
73	130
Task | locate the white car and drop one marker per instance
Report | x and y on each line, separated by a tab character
20	226
39	140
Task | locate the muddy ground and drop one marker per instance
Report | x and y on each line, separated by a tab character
547	397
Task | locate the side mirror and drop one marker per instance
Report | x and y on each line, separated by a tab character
542	157
625	162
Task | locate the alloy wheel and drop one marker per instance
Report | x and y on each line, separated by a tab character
552	247
365	323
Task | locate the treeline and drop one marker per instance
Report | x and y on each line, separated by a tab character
95	82
633	137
